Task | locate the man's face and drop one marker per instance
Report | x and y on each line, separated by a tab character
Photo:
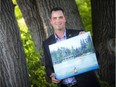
58	20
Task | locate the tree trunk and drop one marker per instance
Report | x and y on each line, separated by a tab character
33	21
13	69
36	15
103	19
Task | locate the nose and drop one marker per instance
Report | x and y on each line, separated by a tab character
58	20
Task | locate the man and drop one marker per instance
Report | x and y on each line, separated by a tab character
58	21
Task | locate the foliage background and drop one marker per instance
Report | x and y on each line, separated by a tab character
33	58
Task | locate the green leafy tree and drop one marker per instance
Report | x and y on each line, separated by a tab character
84	7
33	58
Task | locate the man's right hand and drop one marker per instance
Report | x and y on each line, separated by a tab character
54	79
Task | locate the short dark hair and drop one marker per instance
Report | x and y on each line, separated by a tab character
56	9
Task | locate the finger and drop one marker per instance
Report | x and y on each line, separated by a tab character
55	81
82	32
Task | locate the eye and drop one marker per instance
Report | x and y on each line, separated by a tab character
54	18
61	17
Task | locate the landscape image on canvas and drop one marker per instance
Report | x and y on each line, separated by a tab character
73	56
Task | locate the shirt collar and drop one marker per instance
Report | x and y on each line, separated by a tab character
63	38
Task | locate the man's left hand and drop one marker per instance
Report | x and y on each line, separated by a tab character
81	32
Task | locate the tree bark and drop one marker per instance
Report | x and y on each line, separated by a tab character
33	21
103	20
36	14
13	69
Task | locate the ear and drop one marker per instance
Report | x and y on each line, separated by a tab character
65	18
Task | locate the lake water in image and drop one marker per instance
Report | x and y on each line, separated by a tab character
76	66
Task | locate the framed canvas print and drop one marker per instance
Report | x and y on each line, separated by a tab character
73	56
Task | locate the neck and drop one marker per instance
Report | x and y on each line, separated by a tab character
60	33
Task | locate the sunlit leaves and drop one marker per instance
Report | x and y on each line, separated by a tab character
18	12
36	71
84	7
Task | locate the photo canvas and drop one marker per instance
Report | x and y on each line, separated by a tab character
73	56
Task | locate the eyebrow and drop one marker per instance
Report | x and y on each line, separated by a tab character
58	17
